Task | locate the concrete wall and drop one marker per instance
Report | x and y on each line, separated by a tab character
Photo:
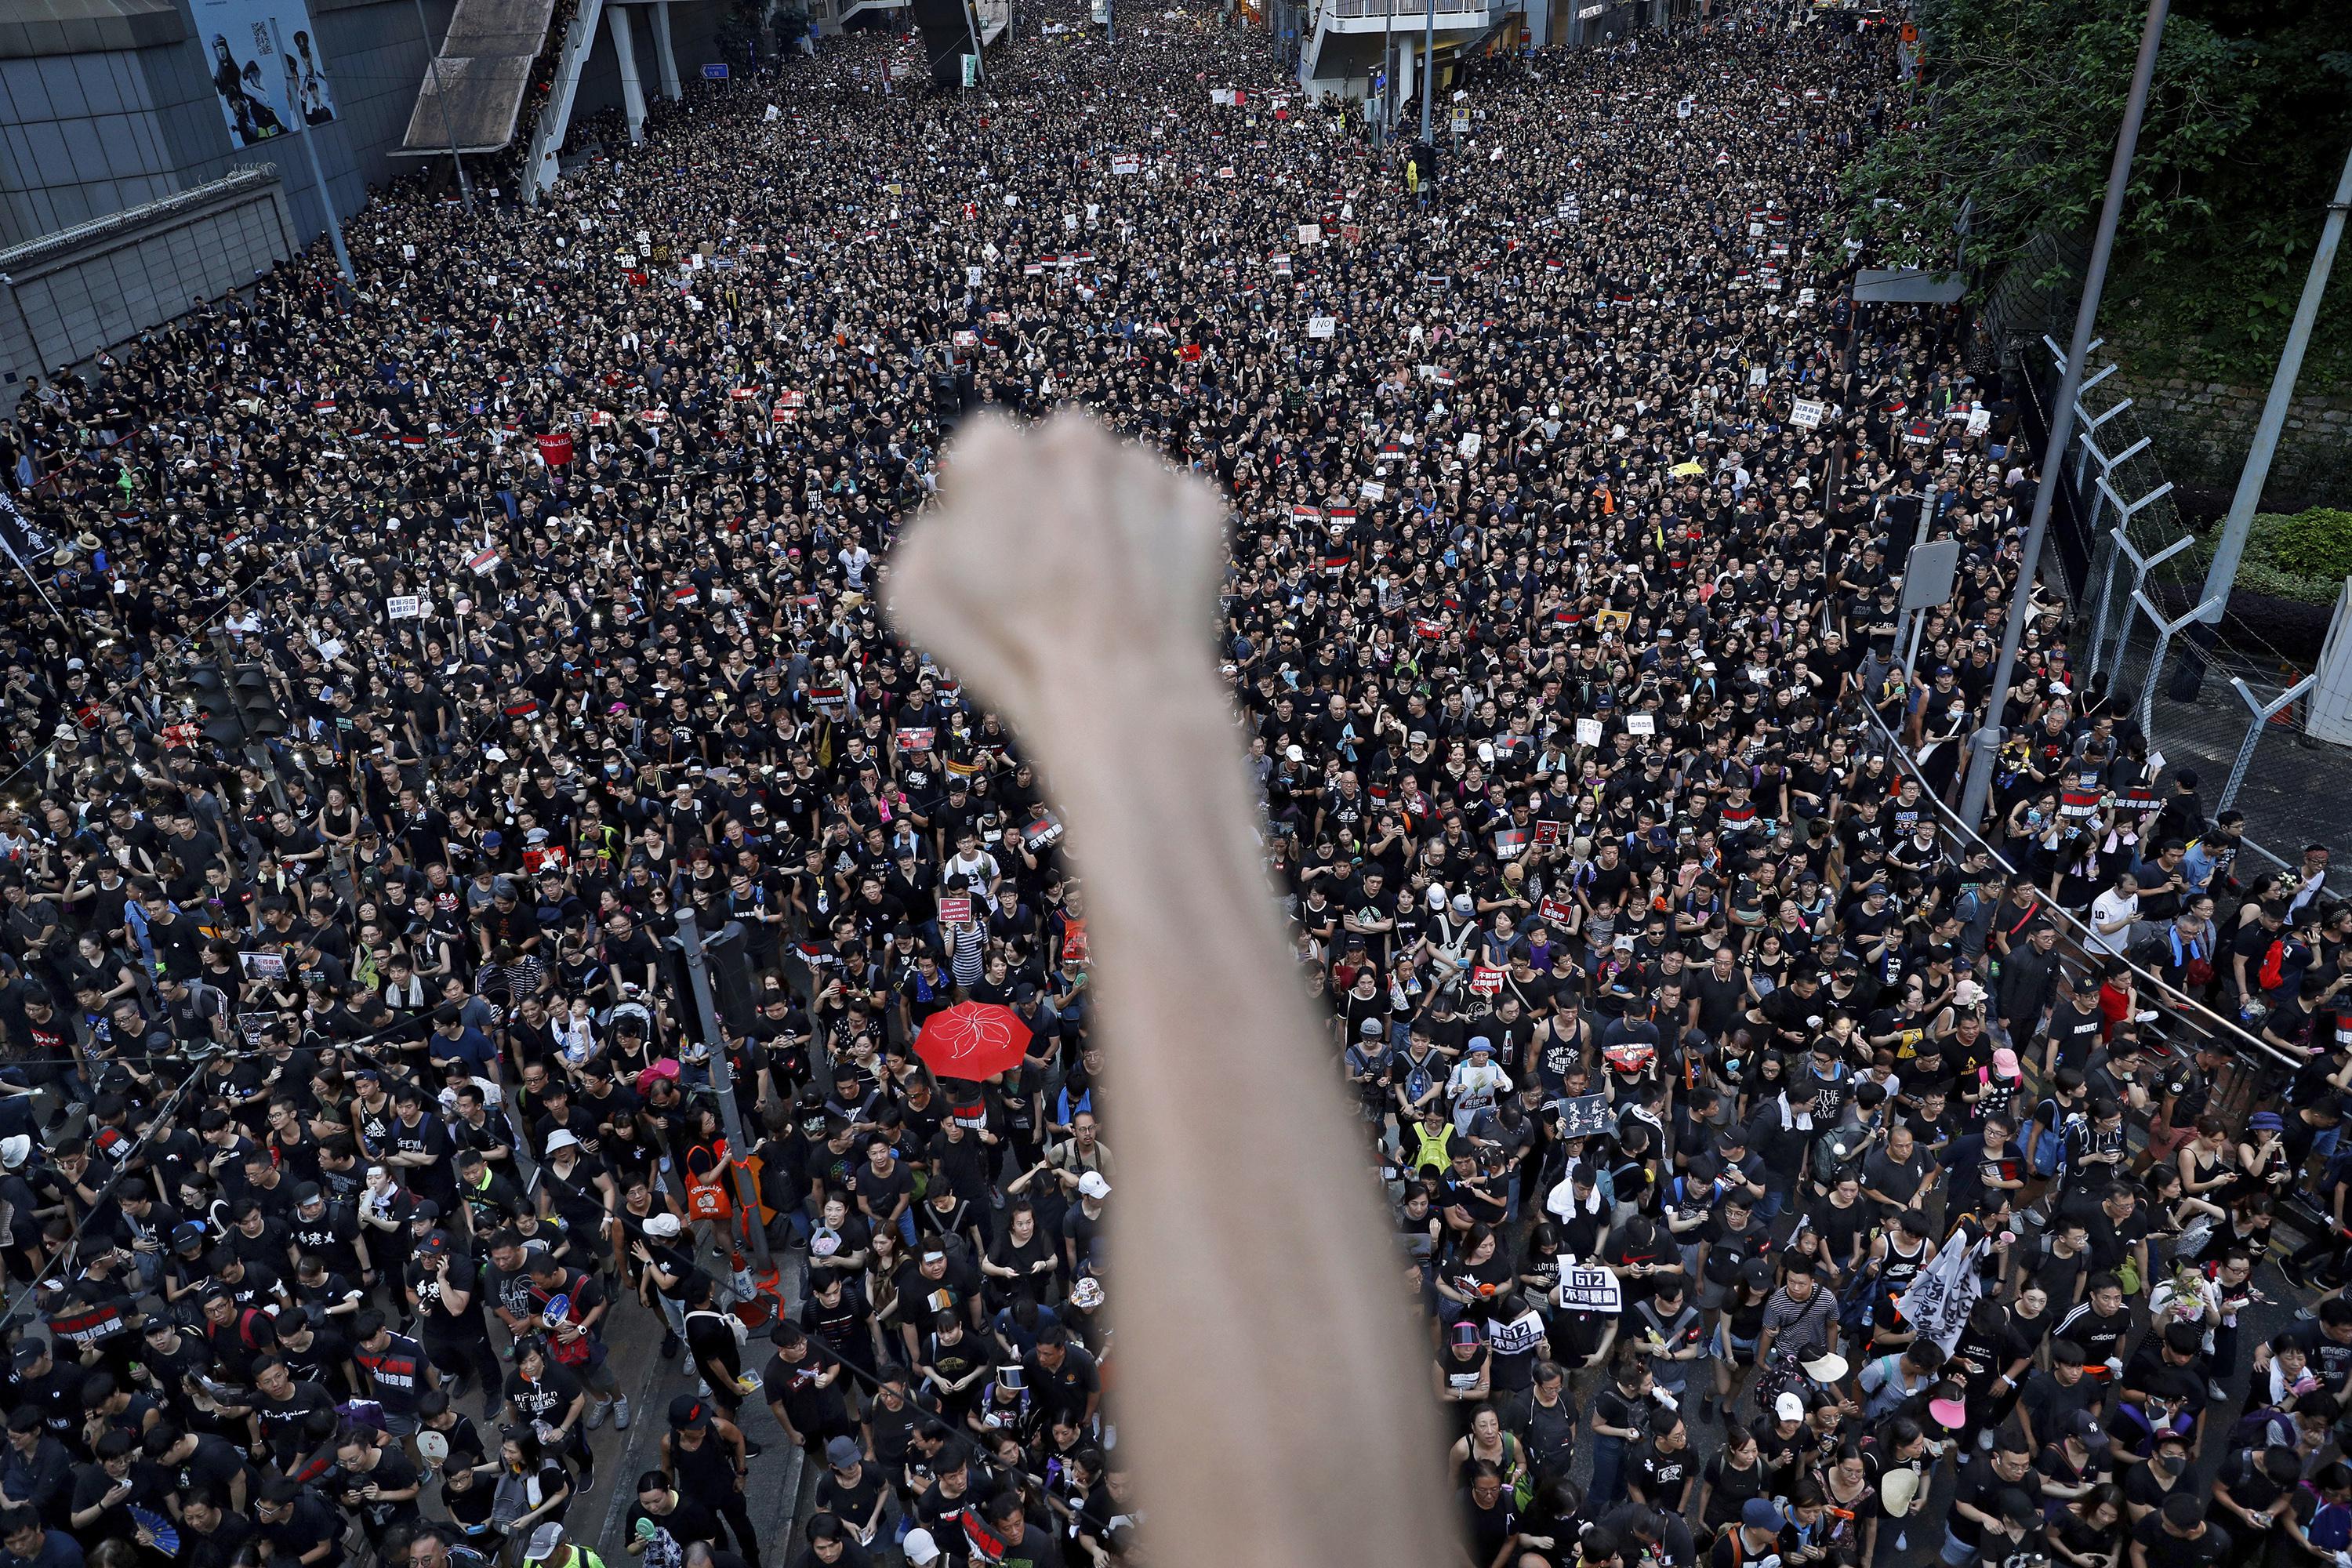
116	108
70	294
374	59
2202	429
378	62
85	134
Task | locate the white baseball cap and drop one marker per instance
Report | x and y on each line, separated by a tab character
919	1547
1093	1186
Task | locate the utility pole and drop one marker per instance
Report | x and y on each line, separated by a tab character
972	29
1388	73
722	1080
2231	548
1428	68
1984	747
448	128
318	176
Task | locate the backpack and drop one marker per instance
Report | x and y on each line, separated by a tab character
564	1304
743	1334
2051	1147
2258	1428
1417	1082
2273	972
1838	1152
1856	1304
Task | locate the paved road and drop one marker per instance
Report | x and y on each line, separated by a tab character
780	1480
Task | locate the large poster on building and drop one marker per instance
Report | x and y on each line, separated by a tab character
267	66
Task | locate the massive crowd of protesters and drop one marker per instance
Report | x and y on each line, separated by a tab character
347	1088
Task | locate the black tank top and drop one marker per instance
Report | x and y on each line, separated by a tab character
704	1472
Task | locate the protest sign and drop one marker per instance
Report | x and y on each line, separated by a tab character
1585	1290
1590	1291
1584	1116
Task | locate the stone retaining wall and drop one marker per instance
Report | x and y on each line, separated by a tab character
2202	428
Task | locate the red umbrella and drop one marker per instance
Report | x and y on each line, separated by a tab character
972	1041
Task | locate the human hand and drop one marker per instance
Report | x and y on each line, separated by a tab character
1056	538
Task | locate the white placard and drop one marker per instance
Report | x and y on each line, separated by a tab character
1756	375
1372	489
1806	414
404	608
1310	234
1588	731
1590	1290
1640	724
1322	326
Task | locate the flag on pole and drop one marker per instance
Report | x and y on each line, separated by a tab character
1941	1296
24	540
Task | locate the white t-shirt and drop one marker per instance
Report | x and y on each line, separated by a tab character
2106	909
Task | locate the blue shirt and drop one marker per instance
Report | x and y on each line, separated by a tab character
469	1048
57	1551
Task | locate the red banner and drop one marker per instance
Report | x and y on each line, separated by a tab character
555	450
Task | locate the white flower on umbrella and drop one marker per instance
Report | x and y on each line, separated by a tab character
969	1031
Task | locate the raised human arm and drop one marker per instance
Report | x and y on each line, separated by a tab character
1068	578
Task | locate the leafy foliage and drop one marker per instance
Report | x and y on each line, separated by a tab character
2302	555
2248	124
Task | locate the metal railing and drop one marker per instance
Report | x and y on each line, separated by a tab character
2227	1033
2136	580
1408	11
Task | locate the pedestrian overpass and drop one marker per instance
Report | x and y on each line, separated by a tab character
1347	38
513	67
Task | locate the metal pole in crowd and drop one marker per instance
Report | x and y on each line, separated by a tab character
318	176
1388	67
1985	745
722	1080
1428	66
449	126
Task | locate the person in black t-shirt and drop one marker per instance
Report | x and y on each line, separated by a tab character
663	1523
804	1384
2179	1535
446	1289
1664	1467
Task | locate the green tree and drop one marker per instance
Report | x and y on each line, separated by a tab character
2247	127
